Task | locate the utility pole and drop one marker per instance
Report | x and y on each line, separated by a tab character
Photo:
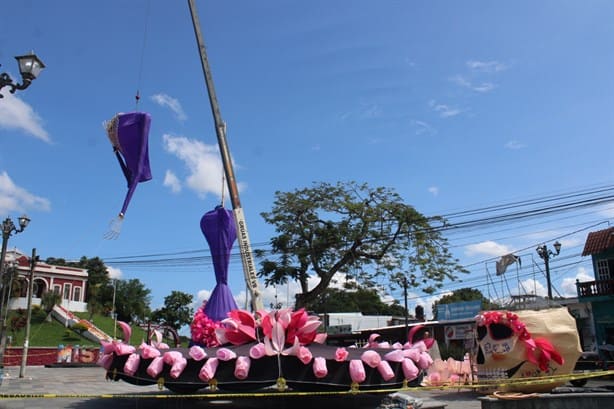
545	253
26	340
406	311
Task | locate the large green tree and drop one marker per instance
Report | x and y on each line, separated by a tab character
176	312
363	300
354	230
132	300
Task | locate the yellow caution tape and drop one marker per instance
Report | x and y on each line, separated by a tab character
290	393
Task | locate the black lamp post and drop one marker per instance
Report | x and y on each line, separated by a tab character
29	67
8	228
545	253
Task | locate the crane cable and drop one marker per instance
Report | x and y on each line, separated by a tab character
137	97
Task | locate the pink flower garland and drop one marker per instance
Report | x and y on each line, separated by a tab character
203	329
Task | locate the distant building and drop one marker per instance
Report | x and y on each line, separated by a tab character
354	321
600	292
70	282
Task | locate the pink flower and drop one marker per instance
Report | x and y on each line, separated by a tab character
412	353
425	360
394	356
434	378
155	367
239	328
341	354
304	354
177	362
410	370
105	361
203	329
303	326
225	354
171	356
197	353
385	370
147	351
123	349
207	372
178	367
257	351
132	364
371	358
357	371
242	367
319	367
274	327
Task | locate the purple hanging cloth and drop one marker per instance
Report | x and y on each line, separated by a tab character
219	229
129	135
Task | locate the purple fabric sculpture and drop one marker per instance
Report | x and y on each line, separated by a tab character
219	229
129	135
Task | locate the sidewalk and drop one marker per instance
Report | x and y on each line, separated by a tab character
87	388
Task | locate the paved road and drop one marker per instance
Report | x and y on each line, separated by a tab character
87	388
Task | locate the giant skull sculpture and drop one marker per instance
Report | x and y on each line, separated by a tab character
526	344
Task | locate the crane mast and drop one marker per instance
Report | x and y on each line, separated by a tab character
249	267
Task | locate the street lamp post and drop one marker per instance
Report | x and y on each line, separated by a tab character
8	228
29	68
545	253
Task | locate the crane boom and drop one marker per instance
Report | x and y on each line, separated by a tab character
249	267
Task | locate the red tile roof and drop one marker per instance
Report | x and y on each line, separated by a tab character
599	241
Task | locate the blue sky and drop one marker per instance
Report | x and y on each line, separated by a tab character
456	105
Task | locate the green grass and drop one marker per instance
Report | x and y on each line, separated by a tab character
51	334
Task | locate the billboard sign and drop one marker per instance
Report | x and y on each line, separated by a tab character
458	310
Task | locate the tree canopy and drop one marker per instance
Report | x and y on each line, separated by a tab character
176	312
132	300
367	301
356	231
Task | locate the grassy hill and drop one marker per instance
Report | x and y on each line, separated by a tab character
44	333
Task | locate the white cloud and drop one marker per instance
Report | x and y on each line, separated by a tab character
114	273
284	294
434	190
16	114
568	284
534	287
171	103
489	248
443	110
202	295
14	198
371	111
203	163
483	87
514	145
172	181
422	128
486	66
477	87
